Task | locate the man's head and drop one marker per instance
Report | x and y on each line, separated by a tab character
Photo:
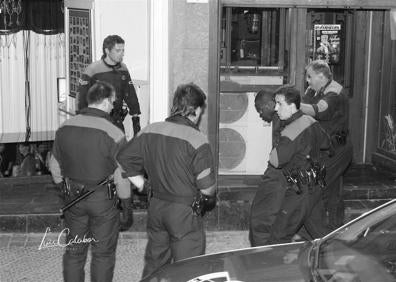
265	105
189	101
318	73
288	101
24	148
101	95
113	49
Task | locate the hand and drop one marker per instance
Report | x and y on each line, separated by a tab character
136	125
203	203
126	214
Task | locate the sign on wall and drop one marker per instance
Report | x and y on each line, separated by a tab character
80	49
327	43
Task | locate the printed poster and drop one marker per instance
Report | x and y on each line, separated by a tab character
327	43
79	46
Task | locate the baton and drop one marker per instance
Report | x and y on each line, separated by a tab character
75	201
83	196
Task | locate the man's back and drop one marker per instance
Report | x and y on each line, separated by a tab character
174	153
86	145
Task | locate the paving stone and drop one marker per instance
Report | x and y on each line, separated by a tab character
11	223
5	240
31	264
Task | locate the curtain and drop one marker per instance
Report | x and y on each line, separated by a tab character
40	16
36	61
12	87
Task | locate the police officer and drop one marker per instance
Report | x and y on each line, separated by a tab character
84	158
325	100
111	69
178	161
296	155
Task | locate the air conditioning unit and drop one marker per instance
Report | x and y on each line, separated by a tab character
245	140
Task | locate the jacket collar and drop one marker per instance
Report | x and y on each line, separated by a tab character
182	120
116	66
295	116
95	112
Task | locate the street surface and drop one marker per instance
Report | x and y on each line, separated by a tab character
27	257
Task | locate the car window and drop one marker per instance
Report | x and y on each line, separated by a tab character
362	251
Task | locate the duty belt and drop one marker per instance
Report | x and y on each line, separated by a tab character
80	191
119	113
314	175
187	200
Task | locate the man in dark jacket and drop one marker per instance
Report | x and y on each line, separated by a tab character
111	69
271	191
179	163
327	103
83	157
290	189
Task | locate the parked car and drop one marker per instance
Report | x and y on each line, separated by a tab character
361	250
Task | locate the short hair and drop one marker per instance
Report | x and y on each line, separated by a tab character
110	41
291	94
320	66
264	96
186	99
99	91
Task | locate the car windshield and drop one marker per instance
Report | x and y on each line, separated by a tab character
364	250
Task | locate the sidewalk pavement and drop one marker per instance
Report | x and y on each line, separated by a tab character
25	257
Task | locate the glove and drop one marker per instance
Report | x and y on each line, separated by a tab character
136	125
203	203
126	214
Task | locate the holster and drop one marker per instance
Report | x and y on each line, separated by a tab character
339	138
202	204
73	189
119	114
292	180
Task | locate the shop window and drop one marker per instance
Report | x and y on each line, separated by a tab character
25	159
253	39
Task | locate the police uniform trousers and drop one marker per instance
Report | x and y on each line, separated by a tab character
93	221
299	210
265	206
333	193
174	233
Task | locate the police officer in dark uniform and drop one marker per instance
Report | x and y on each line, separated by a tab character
83	158
280	190
178	161
297	155
326	102
111	69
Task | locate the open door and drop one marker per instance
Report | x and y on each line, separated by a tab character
253	56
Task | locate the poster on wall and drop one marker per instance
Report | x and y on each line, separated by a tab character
80	49
327	43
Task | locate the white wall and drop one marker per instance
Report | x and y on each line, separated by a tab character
128	19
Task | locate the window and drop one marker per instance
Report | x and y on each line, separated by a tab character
253	39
